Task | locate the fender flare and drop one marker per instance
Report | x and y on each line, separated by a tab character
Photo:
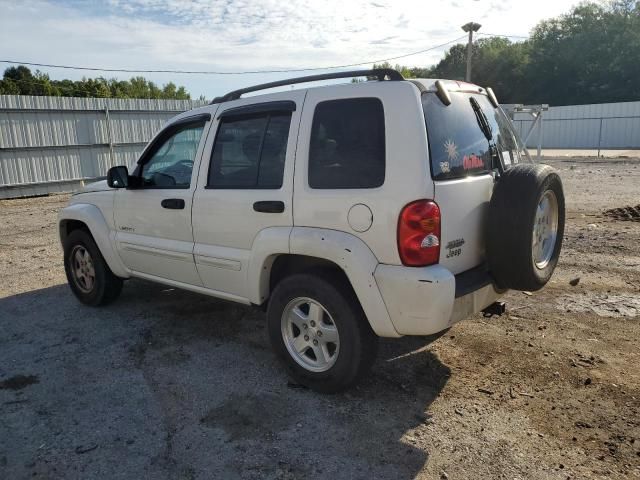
267	245
357	261
92	217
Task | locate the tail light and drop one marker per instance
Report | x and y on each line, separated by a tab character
419	233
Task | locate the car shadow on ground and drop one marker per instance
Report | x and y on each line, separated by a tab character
164	383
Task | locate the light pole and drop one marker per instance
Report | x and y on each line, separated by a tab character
470	27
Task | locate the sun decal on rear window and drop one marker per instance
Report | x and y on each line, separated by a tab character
452	150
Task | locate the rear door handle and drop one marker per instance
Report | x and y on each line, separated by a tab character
269	206
173	203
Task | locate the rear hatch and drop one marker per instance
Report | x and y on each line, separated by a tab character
467	140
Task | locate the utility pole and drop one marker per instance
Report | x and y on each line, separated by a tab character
470	27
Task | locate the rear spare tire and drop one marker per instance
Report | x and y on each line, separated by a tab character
525	226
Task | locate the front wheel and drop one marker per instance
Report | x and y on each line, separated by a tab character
319	331
89	276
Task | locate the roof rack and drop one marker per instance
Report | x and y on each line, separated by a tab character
380	73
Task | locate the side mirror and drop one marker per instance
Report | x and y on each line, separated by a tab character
118	177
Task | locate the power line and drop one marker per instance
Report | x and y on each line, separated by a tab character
201	72
55	83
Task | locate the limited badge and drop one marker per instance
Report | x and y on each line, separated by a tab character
455	247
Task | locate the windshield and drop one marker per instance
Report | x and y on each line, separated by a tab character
469	136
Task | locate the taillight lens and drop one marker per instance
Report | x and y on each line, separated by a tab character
419	233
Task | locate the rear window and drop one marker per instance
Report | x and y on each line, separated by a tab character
347	144
457	145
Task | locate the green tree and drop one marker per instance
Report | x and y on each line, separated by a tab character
589	55
21	81
407	72
171	91
453	65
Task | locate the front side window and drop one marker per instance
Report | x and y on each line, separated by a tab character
347	148
171	162
250	151
459	144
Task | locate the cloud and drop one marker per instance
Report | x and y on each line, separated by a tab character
244	34
383	41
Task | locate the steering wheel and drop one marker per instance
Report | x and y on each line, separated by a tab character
180	171
185	163
180	167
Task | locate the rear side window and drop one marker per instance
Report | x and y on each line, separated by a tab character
347	147
456	143
250	151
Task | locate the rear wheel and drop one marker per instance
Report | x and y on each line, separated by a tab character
525	226
319	331
89	276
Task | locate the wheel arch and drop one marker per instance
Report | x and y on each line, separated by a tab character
288	264
89	217
68	225
321	249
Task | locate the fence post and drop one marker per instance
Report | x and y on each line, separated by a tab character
109	134
540	137
600	137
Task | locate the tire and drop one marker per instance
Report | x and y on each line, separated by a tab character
516	260
357	344
105	287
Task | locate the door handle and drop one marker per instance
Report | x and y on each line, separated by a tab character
269	206
173	203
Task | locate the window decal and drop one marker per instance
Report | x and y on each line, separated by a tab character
452	151
470	162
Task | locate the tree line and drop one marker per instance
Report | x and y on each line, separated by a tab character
21	81
589	55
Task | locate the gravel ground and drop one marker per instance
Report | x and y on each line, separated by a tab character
168	384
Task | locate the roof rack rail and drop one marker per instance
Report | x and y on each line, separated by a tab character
380	73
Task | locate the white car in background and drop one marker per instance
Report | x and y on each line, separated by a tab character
349	212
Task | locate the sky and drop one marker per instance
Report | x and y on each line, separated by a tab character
240	35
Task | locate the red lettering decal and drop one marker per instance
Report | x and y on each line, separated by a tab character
472	161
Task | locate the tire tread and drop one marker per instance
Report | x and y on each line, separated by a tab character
510	224
108	285
326	283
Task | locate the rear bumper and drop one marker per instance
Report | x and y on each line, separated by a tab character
423	301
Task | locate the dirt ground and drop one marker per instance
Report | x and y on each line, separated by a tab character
168	384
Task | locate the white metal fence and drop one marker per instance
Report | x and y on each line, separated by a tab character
605	126
50	144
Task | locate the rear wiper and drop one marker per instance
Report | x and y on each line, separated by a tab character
485	126
483	122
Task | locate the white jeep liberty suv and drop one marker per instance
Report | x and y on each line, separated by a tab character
350	211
